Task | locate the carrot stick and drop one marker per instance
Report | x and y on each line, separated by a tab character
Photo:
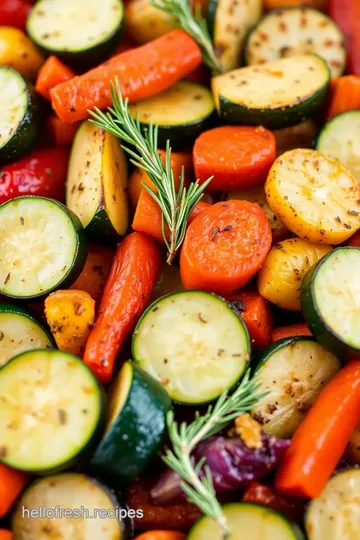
132	277
139	176
300	329
52	73
238	157
355	240
142	72
12	483
60	133
148	216
323	435
160	535
256	314
345	95
224	247
6	535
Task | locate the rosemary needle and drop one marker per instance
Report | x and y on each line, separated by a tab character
176	207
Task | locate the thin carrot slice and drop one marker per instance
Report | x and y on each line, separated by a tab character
289	331
142	72
321	438
224	247
12	483
256	314
238	157
52	73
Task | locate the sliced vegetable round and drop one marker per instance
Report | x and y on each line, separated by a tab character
315	196
96	183
339	140
72	506
293	31
43	247
19	116
194	344
330	300
228	38
78	32
21	330
51	411
254	522
293	371
135	428
335	513
275	95
181	113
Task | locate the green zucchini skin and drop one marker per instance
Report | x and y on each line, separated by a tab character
101	229
318	326
235	114
27	132
137	432
79	256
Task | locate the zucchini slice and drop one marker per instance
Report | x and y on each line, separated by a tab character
334	515
181	113
51	411
19	116
80	32
229	23
254	521
43	247
194	344
293	371
315	196
330	300
293	31
21	330
96	188
135	427
275	95
339	139
72	506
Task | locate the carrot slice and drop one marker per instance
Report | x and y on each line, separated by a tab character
289	331
256	314
52	73
345	95
321	438
60	133
148	216
142	72
127	291
160	535
6	535
238	157
12	483
224	247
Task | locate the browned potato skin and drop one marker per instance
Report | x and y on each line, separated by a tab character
70	315
145	22
274	4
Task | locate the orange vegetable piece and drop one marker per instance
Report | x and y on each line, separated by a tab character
12	483
52	73
96	271
160	535
6	535
345	95
300	329
60	133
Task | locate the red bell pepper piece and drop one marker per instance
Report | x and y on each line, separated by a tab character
14	13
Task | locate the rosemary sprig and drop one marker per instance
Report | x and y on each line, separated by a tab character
184	438
176	207
195	25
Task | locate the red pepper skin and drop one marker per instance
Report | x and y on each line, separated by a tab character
43	173
346	14
267	496
14	13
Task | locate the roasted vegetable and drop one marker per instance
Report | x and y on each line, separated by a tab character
146	22
19	52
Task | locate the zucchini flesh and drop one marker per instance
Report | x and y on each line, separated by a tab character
136	424
51	411
293	371
335	300
181	112
230	22
97	183
293	31
194	344
71	28
335	513
42	247
340	138
20	331
83	497
250	521
278	94
19	123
